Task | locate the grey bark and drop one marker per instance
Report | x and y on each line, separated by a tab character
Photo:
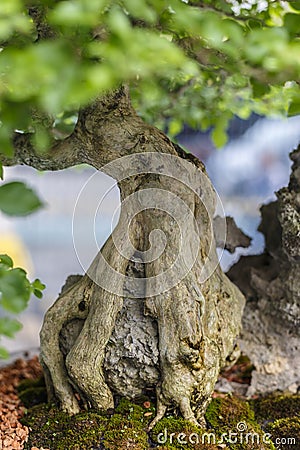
97	342
234	236
271	284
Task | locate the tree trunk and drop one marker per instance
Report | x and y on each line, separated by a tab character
154	309
271	284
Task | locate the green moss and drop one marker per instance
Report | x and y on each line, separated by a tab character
233	418
32	392
176	433
273	407
52	428
280	417
132	411
125	438
29	383
174	425
286	433
225	413
140	414
33	396
171	447
126	427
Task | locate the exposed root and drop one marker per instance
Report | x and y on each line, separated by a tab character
86	371
81	370
65	309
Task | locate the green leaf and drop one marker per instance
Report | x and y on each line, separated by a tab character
38	287
3	353
41	139
15	114
15	290
6	261
1	171
175	127
295	5
16	199
14	304
12	18
78	12
9	327
6	147
259	89
254	23
292	23
219	134
219	137
38	293
294	109
140	9
37	284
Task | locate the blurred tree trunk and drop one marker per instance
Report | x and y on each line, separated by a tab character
271	284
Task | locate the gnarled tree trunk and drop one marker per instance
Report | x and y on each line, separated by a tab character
154	309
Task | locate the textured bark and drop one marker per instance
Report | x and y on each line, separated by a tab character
98	342
271	284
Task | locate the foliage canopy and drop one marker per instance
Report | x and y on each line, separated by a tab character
187	61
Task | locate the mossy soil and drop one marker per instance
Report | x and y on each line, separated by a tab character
233	423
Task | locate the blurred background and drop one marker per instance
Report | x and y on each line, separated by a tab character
246	172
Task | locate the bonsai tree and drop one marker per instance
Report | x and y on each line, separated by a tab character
96	82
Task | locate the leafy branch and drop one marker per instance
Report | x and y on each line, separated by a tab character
15	288
15	292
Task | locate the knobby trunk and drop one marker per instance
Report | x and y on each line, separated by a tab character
154	309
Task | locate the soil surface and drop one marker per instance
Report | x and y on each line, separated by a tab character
41	426
13	434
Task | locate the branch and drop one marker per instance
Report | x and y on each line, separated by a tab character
106	129
100	127
39	17
63	154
